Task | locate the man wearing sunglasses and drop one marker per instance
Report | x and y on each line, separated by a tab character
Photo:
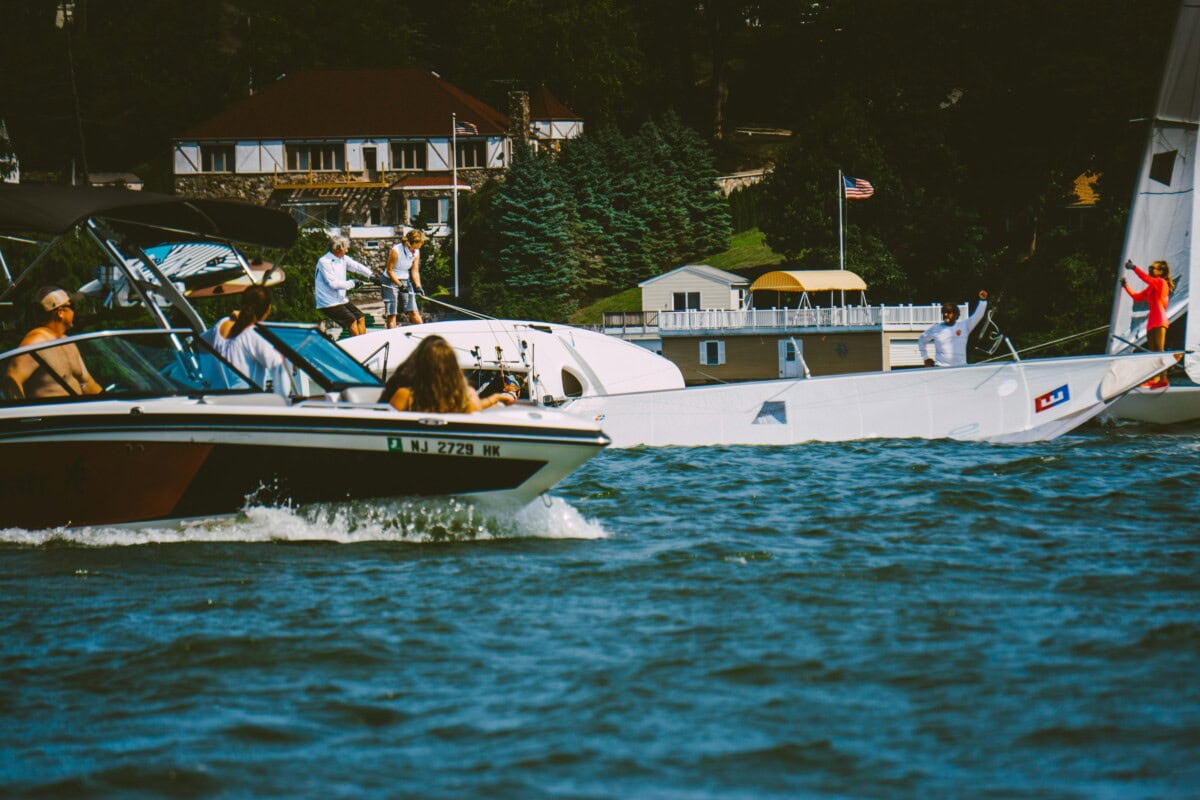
950	336
55	371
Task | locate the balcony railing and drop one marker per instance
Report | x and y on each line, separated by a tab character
889	318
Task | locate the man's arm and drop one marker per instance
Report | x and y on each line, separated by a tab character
923	345
978	315
361	269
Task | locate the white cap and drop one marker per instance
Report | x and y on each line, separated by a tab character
50	299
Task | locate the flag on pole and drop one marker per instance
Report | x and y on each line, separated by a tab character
856	188
466	129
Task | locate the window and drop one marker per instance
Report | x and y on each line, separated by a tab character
687	301
1162	166
428	210
472	154
216	158
408	155
306	157
712	352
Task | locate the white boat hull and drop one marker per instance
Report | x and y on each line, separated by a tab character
1171	406
553	361
1002	402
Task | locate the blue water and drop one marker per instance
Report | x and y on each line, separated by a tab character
864	620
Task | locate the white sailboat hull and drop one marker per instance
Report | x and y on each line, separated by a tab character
1171	406
1002	402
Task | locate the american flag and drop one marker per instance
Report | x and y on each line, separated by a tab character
857	188
466	129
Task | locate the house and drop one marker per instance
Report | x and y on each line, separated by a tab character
694	286
550	122
786	324
369	151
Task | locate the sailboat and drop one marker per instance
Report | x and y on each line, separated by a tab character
1161	222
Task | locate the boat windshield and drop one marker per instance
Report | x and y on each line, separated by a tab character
319	365
117	365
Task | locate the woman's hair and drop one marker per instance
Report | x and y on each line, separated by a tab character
256	302
433	376
1166	268
414	239
338	242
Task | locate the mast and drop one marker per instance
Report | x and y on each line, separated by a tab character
1163	214
454	182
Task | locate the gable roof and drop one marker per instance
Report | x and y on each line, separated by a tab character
343	103
704	271
544	105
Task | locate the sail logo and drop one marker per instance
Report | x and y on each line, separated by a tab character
1052	398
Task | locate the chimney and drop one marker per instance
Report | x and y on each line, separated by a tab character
518	115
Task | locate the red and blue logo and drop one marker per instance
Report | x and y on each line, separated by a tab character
1052	398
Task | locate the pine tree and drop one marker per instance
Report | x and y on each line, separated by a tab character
707	209
536	256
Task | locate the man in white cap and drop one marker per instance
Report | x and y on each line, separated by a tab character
57	371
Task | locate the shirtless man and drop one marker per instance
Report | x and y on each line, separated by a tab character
63	373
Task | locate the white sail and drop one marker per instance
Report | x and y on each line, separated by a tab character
1164	210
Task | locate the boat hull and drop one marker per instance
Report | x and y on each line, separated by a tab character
1177	404
114	465
1005	402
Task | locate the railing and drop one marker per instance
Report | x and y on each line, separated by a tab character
891	318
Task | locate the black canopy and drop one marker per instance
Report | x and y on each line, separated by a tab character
147	217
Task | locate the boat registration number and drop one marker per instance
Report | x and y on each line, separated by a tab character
442	447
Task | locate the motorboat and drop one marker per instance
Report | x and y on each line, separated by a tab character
176	433
549	363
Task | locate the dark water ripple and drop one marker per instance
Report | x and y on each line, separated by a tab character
873	619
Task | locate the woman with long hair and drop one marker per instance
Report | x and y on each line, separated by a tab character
235	339
431	380
1159	285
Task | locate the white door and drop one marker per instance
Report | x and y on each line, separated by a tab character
791	351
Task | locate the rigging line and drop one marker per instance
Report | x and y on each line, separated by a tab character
510	333
1046	344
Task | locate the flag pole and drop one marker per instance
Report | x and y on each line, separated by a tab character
841	237
454	181
841	227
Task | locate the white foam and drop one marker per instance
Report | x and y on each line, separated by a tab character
417	521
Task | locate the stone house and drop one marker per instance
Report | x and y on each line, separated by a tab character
367	151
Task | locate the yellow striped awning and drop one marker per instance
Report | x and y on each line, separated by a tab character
811	280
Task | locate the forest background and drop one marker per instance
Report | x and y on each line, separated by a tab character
972	120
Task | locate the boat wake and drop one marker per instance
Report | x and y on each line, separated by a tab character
416	521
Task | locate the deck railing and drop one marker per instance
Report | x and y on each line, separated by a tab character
890	318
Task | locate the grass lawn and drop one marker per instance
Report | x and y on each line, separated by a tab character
748	249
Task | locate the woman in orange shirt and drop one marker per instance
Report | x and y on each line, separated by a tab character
1159	285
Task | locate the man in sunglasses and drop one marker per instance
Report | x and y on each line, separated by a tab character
55	371
950	336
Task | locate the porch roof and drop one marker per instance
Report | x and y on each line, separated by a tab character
811	280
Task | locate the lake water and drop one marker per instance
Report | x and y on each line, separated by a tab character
874	619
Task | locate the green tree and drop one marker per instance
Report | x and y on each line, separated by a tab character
536	256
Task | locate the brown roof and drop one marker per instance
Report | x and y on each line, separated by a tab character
544	105
337	104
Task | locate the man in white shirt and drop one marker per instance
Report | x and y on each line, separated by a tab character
331	285
950	336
